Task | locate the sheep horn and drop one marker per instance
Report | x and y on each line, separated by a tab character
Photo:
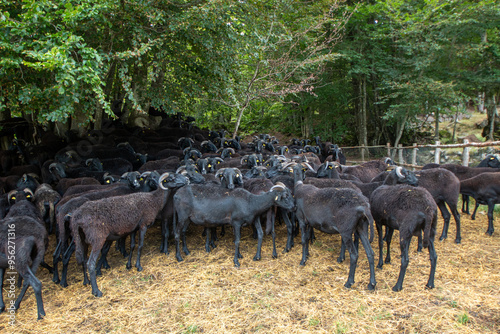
88	162
12	192
219	172
278	185
28	191
308	166
163	177
398	172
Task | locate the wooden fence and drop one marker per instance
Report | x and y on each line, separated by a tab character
396	153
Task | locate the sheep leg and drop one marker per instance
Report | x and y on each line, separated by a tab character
370	254
237	236
491	207
64	274
56	257
178	226
353	255
102	262
142	234
341	257
91	265
47	266
388	240
305	242
223	231
271	217
260	235
132	246
404	244
208	237
476	206
184	243
446	217
289	229
84	263
456	216
433	258
213	232
30	279
465	204
380	245
164	239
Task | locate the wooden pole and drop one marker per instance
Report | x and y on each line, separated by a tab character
465	154
414	155
400	153
437	154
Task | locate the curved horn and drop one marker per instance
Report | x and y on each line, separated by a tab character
219	172
180	170
398	172
278	185
162	178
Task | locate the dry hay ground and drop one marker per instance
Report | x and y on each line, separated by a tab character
206	293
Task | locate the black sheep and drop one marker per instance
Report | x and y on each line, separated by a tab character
112	218
410	210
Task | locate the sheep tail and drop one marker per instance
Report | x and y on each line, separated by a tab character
372	228
77	239
427	230
52	213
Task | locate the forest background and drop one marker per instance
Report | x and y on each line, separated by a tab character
355	73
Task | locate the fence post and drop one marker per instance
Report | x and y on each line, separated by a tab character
388	149
400	154
465	154
414	156
437	154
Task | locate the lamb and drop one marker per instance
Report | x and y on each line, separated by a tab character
335	210
444	187
463	173
485	189
23	231
112	218
46	199
211	206
410	210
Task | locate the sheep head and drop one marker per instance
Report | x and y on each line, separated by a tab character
172	180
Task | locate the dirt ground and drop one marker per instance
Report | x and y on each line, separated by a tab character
206	294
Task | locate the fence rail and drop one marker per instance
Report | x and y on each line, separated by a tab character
416	156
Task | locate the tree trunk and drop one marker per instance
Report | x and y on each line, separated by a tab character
492	112
436	125
399	132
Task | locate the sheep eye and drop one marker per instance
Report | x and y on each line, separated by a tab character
107	181
330	167
13	197
209	166
237	175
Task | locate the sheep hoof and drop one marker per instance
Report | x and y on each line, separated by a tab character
286	250
256	258
139	268
397	288
457	241
236	264
65	285
380	266
340	259
275	255
98	293
371	286
302	263
441	238
348	285
179	259
489	233
128	266
429	286
56	280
